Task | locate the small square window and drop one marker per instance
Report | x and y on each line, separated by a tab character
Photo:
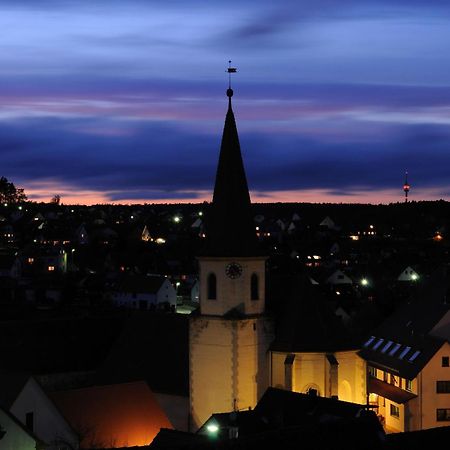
445	361
443	387
443	415
395	411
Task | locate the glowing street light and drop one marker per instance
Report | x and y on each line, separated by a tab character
177	219
212	428
364	282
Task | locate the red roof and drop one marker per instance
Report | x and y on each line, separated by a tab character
117	415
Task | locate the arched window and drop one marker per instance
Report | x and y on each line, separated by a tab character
212	287
254	287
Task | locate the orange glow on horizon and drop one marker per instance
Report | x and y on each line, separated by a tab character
71	195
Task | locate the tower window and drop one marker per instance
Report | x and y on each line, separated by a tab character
212	287
254	287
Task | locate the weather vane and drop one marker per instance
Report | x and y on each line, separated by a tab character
230	71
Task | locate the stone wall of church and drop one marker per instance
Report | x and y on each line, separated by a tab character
311	370
228	364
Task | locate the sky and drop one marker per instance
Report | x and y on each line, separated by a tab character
124	101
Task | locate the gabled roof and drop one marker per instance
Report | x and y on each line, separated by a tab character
163	339
140	283
230	229
292	408
307	323
124	414
11	385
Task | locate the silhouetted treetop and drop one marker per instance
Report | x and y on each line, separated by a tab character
9	193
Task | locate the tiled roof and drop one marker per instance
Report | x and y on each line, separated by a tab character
124	414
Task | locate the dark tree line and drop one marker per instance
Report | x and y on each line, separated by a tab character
9	193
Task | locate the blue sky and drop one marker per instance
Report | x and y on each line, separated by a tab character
112	101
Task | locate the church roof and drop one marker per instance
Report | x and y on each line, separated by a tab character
230	228
307	323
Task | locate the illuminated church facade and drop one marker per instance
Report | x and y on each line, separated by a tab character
234	354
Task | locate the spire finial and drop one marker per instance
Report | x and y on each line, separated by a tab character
230	70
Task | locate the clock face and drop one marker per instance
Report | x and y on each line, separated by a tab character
233	270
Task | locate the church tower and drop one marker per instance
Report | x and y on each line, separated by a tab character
230	337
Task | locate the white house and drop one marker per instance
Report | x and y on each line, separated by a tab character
408	360
22	396
144	292
14	435
339	277
328	223
409	274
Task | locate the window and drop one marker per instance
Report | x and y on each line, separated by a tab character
369	341
395	411
443	414
414	356
385	377
394	349
408	385
212	287
51	268
386	347
254	287
380	341
445	361
29	420
372	371
393	380
404	352
443	387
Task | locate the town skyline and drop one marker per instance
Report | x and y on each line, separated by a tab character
114	103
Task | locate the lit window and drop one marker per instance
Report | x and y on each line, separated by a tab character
30	260
51	268
393	380
408	385
395	411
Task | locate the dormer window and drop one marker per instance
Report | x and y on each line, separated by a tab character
254	287
212	287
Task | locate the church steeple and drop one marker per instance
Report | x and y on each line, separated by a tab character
231	231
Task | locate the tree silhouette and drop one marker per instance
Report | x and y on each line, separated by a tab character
9	193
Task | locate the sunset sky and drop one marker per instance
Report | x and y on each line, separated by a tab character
124	101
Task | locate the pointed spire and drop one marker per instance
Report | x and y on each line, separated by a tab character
231	231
